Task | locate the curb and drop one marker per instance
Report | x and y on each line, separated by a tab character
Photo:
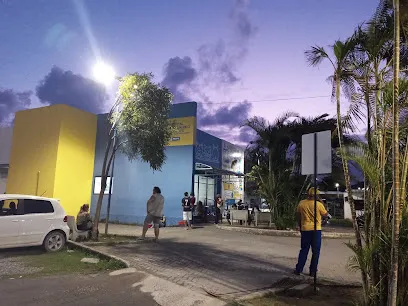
281	233
96	252
111	243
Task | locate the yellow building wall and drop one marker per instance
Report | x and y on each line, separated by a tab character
33	153
186	131
55	144
75	159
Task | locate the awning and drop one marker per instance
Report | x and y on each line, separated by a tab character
207	170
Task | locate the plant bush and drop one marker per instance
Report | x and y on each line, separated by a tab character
285	222
341	222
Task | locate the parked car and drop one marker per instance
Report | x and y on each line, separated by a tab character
32	221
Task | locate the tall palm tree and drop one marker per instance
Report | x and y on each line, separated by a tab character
342	81
393	282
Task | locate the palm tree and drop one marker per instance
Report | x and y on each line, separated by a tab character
275	137
342	81
393	282
272	144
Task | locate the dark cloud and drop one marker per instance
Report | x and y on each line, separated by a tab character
65	87
178	73
216	67
12	101
230	116
246	135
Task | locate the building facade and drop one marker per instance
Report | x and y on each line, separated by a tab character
6	135
57	151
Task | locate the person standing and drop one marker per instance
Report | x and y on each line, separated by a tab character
187	210
305	220
219	206
154	207
193	206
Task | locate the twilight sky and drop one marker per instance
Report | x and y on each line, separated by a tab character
217	52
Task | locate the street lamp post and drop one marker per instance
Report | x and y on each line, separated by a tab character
104	73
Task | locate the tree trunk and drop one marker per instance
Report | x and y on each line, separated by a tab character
393	282
367	99
347	177
104	175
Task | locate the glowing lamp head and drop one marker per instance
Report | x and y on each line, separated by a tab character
103	73
337	185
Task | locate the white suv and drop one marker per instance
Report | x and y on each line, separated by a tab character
32	221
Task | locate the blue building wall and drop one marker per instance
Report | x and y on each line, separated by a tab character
209	151
133	181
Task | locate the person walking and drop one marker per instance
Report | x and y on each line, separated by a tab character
305	220
193	207
187	210
154	207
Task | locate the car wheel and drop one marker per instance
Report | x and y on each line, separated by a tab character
54	241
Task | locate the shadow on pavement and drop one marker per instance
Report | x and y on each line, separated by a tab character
23	251
216	270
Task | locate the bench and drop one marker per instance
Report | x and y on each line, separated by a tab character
263	217
75	233
239	215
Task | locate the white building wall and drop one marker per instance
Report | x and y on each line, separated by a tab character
3	180
6	136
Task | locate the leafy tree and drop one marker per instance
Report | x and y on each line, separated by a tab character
138	127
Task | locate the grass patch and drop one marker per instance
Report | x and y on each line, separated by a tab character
65	262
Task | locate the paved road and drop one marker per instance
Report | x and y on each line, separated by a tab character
228	264
75	290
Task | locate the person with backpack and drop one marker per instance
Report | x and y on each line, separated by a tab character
187	210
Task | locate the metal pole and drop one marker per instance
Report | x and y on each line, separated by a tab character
38	183
110	186
315	205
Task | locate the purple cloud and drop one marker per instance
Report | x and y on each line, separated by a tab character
216	67
65	87
13	101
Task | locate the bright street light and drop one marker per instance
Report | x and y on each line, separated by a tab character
337	185
103	73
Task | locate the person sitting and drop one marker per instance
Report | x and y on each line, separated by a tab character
84	220
13	209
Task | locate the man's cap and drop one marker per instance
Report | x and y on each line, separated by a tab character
311	191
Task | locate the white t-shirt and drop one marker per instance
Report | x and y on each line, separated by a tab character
155	206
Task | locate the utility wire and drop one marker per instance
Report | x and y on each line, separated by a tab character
266	100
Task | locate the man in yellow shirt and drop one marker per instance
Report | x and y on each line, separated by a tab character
305	219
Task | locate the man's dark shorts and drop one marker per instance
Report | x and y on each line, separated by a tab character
153	219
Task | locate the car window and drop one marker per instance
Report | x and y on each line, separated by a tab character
9	207
37	207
